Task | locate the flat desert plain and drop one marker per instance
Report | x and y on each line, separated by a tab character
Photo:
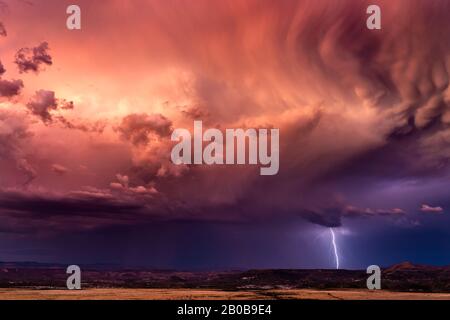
198	294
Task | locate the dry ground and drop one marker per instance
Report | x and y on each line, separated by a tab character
194	294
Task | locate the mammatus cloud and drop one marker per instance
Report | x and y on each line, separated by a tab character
33	59
429	209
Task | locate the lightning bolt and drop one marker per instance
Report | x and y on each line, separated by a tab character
333	240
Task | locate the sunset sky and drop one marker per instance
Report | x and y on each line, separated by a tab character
86	118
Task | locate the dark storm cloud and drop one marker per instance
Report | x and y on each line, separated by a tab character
71	211
10	88
400	84
33	59
137	128
331	216
408	88
402	80
89	208
86	203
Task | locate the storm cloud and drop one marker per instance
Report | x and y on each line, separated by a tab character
358	110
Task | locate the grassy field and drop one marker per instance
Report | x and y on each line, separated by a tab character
194	294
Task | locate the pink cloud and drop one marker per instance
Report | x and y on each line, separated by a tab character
429	209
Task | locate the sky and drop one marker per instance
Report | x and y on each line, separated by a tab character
86	118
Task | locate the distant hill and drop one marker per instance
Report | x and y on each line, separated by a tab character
404	276
408	266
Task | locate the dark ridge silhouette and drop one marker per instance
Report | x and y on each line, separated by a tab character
400	277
